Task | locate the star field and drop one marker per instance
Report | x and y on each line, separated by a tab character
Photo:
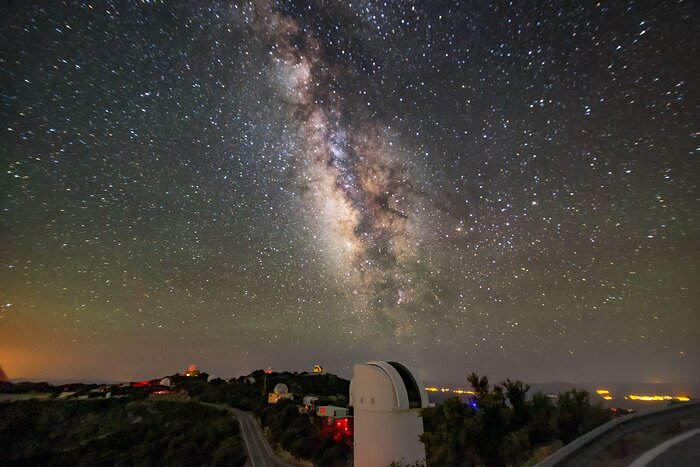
464	186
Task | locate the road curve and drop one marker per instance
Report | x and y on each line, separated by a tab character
259	452
680	450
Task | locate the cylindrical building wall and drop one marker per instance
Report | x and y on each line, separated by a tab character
387	423
384	437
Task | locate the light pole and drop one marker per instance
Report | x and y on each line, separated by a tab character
268	371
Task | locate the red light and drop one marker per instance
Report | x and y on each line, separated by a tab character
340	429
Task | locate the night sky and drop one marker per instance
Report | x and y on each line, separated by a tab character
502	187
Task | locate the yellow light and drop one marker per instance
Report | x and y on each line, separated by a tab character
656	398
431	389
603	391
607	398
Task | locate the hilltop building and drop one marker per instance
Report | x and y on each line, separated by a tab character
309	403
331	411
387	398
191	371
281	391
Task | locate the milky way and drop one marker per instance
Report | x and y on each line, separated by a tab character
358	183
463	186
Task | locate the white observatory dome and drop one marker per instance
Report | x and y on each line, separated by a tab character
387	398
280	388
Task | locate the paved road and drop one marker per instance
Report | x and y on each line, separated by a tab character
681	451
259	452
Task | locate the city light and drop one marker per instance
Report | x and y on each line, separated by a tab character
455	391
656	398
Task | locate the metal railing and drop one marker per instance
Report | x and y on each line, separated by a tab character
583	449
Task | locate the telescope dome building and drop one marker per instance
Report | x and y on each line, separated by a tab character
386	398
281	391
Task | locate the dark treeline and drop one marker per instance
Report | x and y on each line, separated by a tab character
117	432
504	426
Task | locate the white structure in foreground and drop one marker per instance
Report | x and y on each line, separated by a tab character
387	398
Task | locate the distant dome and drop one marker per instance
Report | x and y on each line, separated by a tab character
281	388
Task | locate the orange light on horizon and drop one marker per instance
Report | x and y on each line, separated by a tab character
456	391
656	398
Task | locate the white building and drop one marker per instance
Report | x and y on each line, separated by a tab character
280	392
387	398
308	400
331	411
309	403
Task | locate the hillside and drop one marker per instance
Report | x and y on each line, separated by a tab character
117	432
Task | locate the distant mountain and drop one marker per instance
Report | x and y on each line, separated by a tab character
3	376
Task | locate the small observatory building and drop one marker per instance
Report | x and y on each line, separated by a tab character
281	391
386	398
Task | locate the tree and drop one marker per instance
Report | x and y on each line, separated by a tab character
516	392
571	407
577	416
480	385
504	428
230	453
450	433
515	448
544	426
